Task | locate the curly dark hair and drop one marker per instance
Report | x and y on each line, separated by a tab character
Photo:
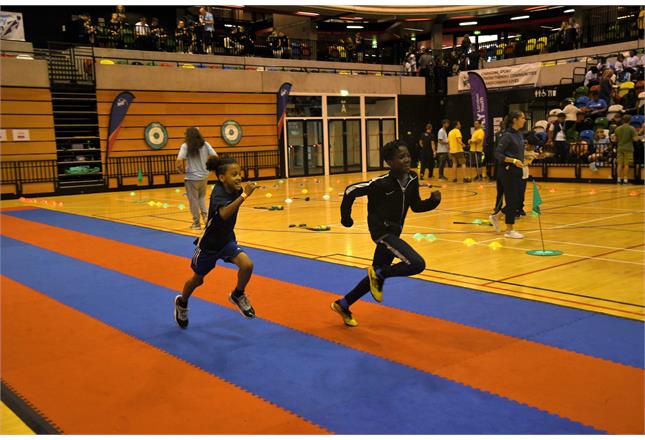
219	164
389	150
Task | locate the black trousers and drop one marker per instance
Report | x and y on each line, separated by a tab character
511	179
387	248
522	193
427	161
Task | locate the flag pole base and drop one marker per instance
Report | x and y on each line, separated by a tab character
544	253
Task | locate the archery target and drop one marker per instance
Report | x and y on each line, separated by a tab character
231	132
156	136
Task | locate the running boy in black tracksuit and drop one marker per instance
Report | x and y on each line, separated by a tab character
388	200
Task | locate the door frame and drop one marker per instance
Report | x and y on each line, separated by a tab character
360	127
306	139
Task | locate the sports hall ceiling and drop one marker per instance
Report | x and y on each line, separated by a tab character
420	19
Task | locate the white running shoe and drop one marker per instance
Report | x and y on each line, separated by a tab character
495	222
181	313
513	234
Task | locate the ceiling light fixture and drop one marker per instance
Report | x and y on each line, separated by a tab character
413	29
307	14
468	23
351	26
569	10
417	19
520	17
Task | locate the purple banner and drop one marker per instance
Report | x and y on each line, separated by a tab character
120	107
283	98
479	97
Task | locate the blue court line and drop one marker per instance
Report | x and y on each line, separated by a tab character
595	334
344	390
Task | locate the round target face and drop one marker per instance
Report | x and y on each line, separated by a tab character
231	132
156	136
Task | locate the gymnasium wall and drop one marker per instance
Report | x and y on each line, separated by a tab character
25	104
133	77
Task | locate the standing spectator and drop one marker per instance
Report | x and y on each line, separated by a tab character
209	29
284	45
410	66
120	12
114	28
89	32
476	143
360	47
182	37
465	45
625	137
274	44
426	67
142	34
509	154
192	157
428	148
443	147
605	89
571	113
457	152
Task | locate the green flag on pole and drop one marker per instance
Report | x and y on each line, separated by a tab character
537	200
140	176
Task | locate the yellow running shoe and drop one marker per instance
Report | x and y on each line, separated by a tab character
376	284
345	313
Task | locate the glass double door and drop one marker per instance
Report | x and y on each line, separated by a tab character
344	145
379	133
305	146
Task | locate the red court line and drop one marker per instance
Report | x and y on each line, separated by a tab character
122	385
596	392
17	208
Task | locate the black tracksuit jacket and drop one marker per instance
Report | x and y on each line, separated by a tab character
387	203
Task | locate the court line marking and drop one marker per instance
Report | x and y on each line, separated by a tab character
557	265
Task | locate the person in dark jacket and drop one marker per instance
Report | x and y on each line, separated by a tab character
509	154
388	199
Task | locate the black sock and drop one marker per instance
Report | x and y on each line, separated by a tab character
182	302
237	293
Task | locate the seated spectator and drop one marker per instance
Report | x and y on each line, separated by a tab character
579	152
591	78
558	138
619	68
596	105
601	151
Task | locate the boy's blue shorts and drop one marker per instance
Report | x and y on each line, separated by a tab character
204	261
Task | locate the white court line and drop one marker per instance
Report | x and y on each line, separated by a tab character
501	237
576	223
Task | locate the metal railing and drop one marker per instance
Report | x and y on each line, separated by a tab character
20	173
251	162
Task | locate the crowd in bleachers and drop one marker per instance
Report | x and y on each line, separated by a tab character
583	129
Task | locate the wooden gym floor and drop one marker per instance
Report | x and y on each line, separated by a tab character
599	228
